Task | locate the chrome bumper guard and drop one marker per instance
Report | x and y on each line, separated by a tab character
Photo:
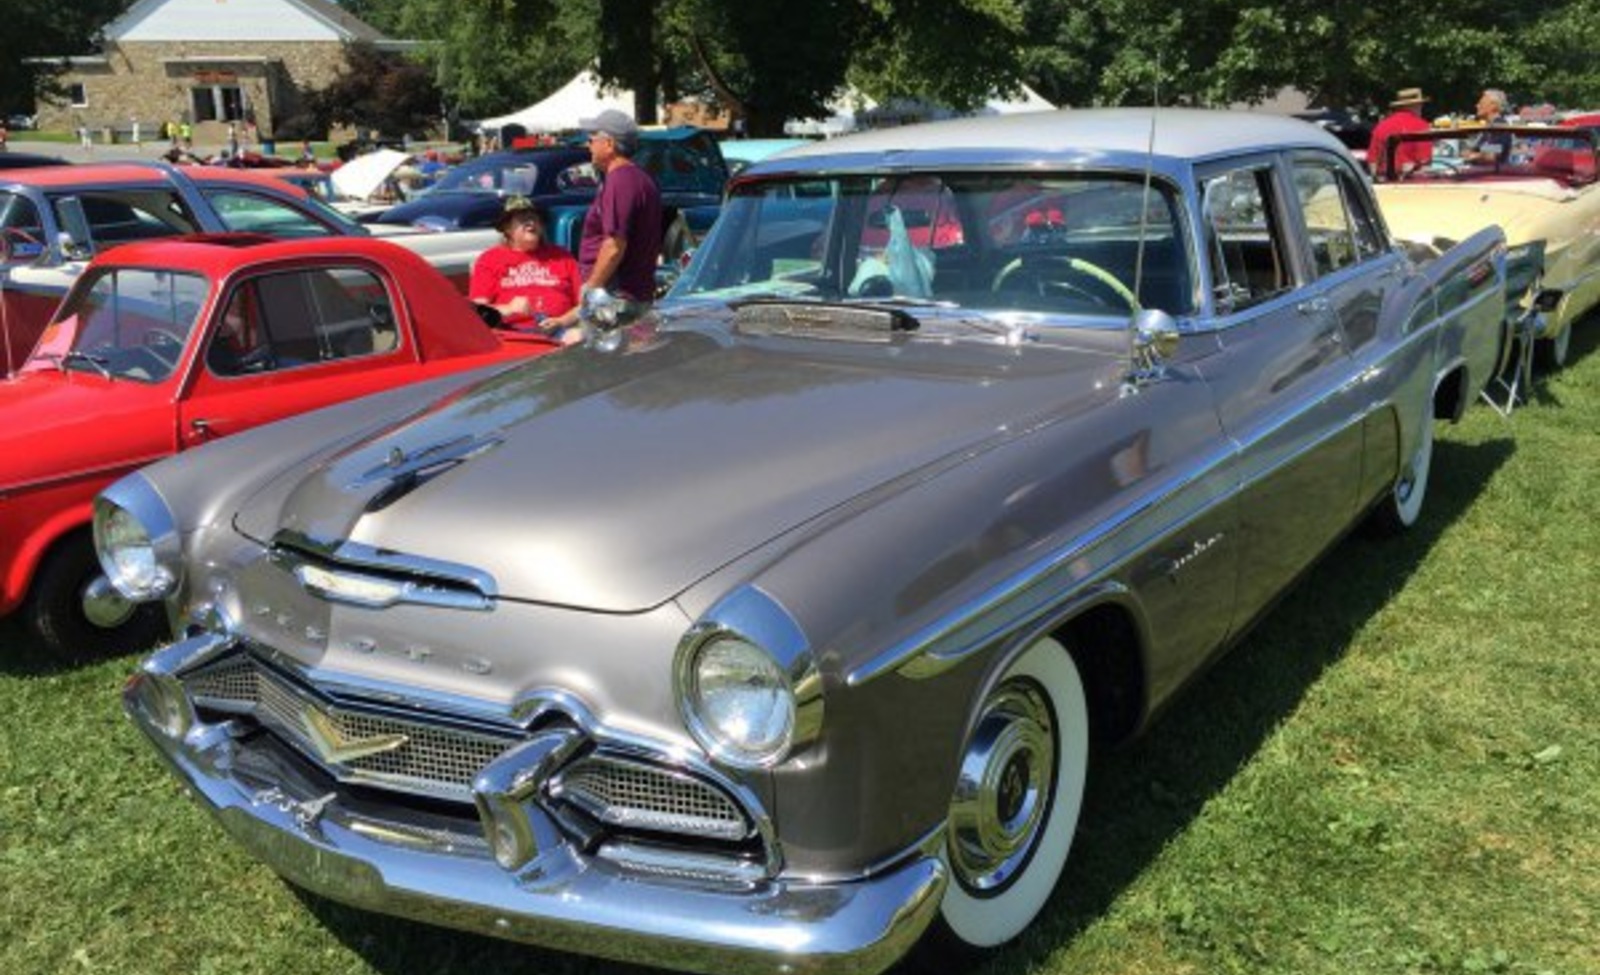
556	896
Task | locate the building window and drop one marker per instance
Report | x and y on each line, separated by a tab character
77	96
217	103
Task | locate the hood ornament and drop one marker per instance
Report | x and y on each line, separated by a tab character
403	472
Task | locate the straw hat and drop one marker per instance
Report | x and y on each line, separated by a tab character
1408	96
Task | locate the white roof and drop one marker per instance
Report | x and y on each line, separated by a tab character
237	20
580	98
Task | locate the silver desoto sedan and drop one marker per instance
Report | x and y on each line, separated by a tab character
770	631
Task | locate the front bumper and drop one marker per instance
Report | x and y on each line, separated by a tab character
343	849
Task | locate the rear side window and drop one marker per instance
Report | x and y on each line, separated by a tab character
302	318
1342	230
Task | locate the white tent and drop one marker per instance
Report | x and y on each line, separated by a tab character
580	98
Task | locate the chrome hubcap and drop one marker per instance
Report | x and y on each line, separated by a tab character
1003	789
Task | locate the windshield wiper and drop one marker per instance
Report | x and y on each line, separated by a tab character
101	363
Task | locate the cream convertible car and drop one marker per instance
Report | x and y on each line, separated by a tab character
771	634
1538	184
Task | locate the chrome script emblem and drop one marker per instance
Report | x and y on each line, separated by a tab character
336	749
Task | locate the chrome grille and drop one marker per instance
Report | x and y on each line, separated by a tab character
639	796
435	760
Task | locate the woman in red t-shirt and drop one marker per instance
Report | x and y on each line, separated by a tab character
533	284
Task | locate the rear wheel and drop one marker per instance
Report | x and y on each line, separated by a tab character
74	626
1403	506
1016	801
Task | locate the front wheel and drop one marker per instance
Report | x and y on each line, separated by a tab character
1016	801
76	617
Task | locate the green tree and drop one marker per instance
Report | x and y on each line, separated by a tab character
45	29
379	90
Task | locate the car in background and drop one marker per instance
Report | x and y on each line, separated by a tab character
686	163
769	631
54	220
27	160
741	154
167	345
20	122
1542	190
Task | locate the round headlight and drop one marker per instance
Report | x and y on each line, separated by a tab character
739	702
134	540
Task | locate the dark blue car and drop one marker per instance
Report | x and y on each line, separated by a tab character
686	162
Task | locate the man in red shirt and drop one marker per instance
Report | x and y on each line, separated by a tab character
1407	155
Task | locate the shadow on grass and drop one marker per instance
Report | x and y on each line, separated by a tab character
1144	795
1140	797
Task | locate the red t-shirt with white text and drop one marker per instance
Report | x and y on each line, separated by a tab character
547	275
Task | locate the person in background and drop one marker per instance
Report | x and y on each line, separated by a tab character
1407	156
5	136
185	136
1489	148
621	241
532	283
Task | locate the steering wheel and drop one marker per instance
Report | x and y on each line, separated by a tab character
1071	266
165	345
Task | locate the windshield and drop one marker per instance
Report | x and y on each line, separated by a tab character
1073	244
509	178
123	323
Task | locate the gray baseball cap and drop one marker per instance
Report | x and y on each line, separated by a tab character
620	126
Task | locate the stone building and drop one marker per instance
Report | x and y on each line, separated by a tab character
207	62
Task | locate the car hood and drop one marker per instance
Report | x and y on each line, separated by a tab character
613	481
55	426
1526	209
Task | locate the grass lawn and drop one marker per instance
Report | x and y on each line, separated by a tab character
1398	772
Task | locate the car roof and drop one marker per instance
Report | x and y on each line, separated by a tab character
55	177
1078	134
444	320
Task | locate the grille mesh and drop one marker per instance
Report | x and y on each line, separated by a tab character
645	797
434	760
441	761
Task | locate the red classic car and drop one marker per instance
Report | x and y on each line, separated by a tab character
164	345
53	221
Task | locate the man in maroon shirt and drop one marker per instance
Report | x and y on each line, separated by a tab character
1407	155
621	240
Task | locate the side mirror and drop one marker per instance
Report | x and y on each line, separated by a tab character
76	239
1154	339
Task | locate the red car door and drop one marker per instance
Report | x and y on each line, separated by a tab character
287	341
